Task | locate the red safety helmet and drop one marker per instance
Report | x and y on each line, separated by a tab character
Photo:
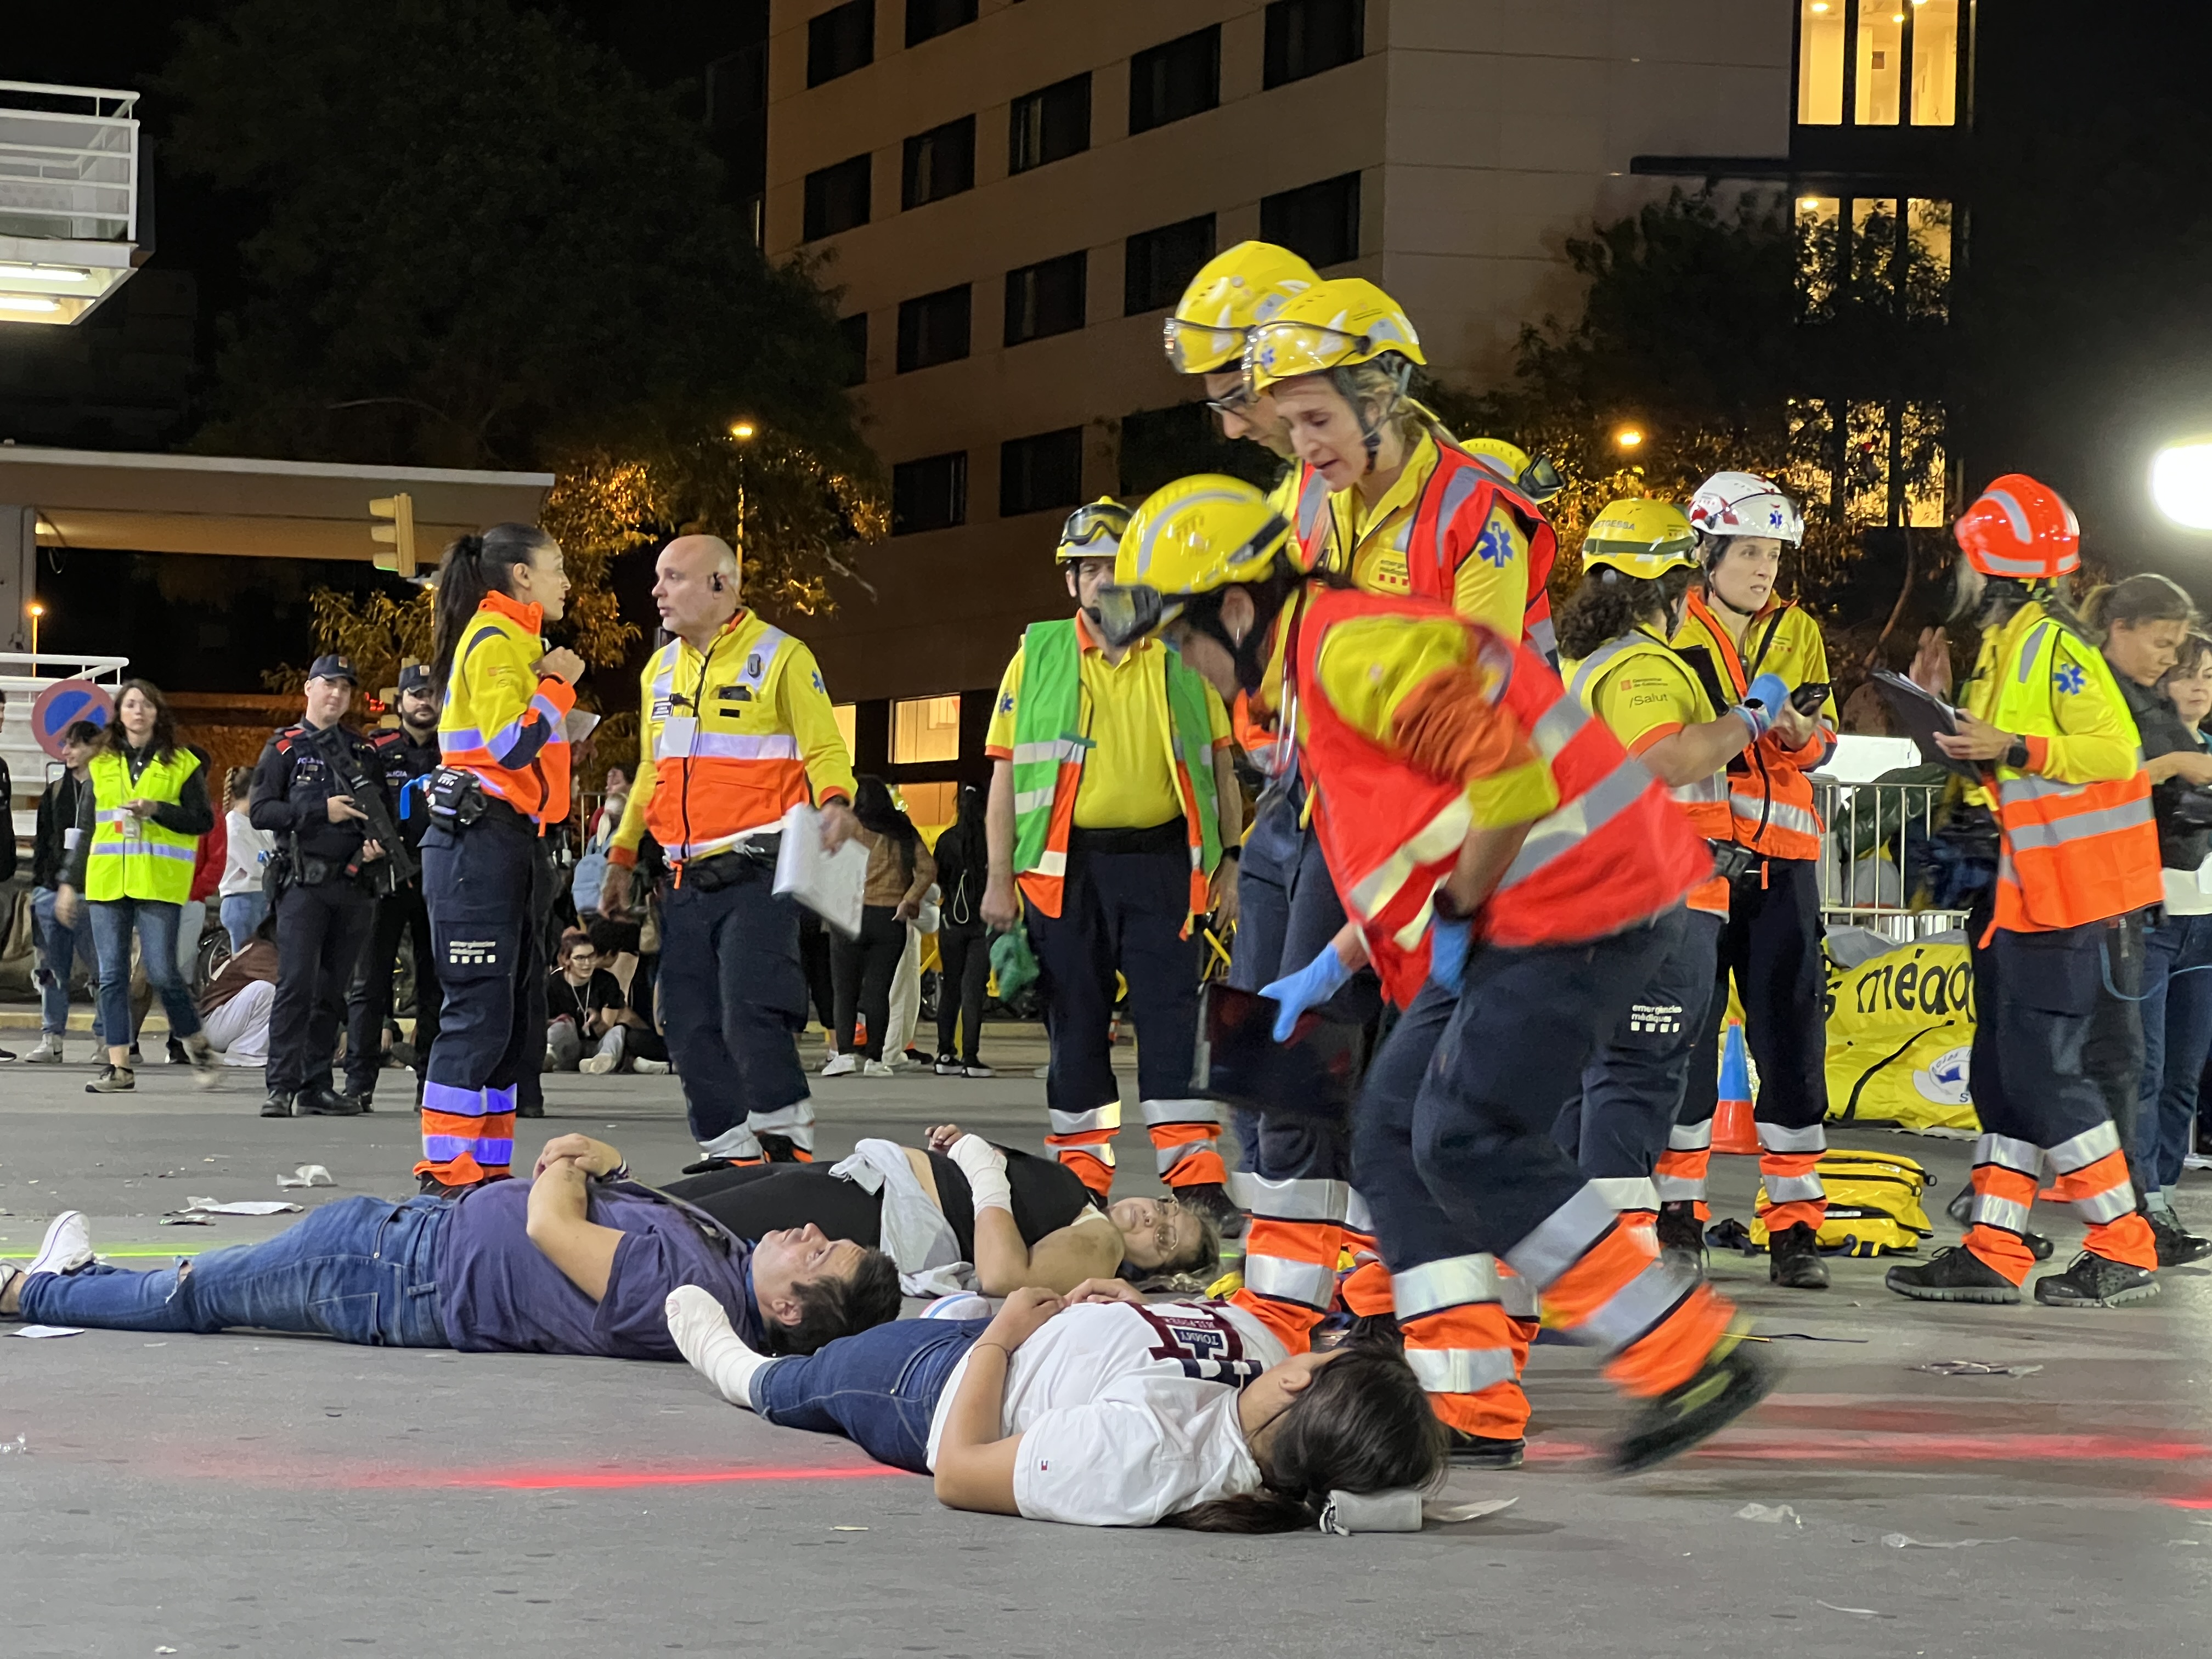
2021	529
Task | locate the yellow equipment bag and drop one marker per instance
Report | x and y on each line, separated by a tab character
1874	1204
1900	1031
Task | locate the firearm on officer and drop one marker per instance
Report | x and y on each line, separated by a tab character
406	755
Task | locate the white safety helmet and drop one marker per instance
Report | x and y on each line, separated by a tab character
1745	504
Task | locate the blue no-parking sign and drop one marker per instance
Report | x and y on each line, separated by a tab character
62	705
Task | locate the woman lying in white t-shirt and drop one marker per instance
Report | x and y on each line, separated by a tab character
1097	1409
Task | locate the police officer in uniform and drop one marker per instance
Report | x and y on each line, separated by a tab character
405	753
323	902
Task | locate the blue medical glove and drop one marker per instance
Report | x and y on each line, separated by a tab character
1770	692
1448	943
1316	982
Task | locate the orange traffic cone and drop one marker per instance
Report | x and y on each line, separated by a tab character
1733	1128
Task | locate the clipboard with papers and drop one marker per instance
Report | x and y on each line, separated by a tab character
1922	715
831	884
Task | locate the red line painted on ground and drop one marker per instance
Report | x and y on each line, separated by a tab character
1875	1450
598	1479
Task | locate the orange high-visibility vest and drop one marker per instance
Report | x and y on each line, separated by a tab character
1452	523
1615	851
2071	852
1769	796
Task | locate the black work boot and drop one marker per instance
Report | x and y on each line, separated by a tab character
279	1103
1793	1259
1682	1236
1954	1274
2095	1281
322	1101
1483	1451
1735	1377
2176	1247
1210	1199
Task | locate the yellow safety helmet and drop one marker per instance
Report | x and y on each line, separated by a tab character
1537	478
1333	324
1233	290
1640	537
1092	532
1193	536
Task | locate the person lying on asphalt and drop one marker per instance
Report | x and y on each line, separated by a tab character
579	1261
1098	1409
1021	1219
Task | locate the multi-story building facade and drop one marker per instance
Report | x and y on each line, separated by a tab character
1010	193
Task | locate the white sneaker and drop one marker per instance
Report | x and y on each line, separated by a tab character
66	1247
598	1065
876	1068
980	1070
48	1053
841	1065
648	1067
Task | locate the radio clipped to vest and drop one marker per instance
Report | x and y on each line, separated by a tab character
456	798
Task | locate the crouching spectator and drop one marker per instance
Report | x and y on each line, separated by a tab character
591	1028
234	1007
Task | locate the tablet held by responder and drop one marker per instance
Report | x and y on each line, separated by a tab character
1639	559
736	730
503	742
1112	800
2056	937
1750	646
1463	799
1387	495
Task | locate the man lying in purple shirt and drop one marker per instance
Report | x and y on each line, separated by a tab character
578	1259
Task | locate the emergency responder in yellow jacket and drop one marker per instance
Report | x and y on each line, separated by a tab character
1750	646
1115	807
1637	562
2057	938
1387	495
487	882
1489	838
735	729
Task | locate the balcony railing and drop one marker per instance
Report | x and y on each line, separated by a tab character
68	163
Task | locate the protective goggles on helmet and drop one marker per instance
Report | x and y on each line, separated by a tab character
1101	521
1125	614
1200	347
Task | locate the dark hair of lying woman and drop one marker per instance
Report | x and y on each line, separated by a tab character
1362	1424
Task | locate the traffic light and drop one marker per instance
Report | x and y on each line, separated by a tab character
398	535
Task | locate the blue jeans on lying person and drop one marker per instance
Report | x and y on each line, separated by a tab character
361	1270
879	1389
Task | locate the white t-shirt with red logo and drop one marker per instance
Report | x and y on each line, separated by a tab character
1127	1414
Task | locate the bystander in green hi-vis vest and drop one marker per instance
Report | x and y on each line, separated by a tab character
133	857
1050	747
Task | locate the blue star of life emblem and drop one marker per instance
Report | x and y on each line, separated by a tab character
2070	679
818	682
1006	704
1495	547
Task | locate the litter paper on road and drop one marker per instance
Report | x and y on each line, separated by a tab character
308	1174
1975	1368
1771	1513
47	1330
1898	1540
240	1206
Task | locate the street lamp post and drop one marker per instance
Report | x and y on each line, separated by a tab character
741	433
2181	482
35	611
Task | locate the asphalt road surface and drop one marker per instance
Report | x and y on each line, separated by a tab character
285	1496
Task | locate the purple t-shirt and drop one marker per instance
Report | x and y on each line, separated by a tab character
499	1293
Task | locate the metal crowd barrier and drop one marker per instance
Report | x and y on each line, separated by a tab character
1866	861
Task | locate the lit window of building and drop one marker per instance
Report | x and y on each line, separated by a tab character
1901	67
925	729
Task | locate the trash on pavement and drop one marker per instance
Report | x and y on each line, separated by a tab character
1898	1540
308	1174
36	1331
1773	1513
1975	1368
184	1220
240	1206
1856	1612
18	1444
